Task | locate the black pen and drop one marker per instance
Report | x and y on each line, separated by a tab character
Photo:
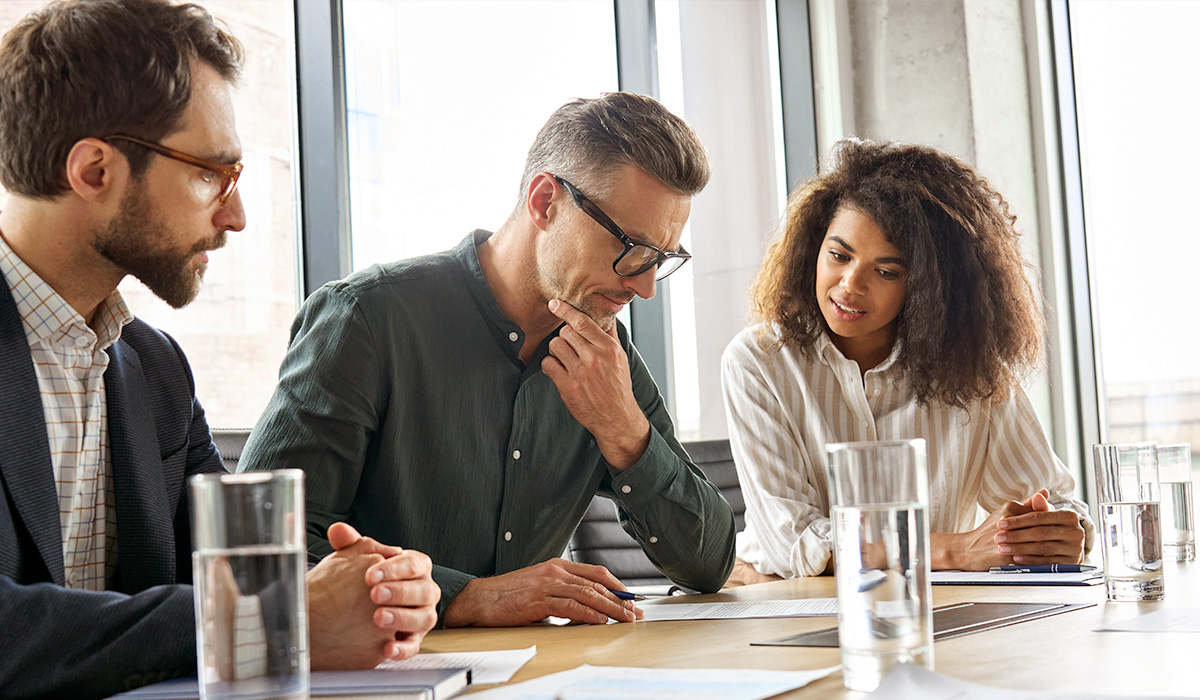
626	595
1041	569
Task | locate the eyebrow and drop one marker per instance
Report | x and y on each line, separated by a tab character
226	158
889	261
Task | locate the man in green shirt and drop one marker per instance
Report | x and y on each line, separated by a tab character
469	404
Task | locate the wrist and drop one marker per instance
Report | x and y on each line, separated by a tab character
461	612
943	551
626	450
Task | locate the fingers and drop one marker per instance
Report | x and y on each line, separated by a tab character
1042	537
405	565
577	320
368	545
422	592
1012	508
404	621
342	535
1040	500
592	572
562	350
404	647
588	602
1062	518
580	593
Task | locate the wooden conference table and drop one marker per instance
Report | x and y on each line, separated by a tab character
1059	653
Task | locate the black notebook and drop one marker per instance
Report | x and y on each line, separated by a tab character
948	621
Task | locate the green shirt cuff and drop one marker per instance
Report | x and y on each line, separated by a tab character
650	475
451	581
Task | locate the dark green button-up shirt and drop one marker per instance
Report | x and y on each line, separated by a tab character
404	400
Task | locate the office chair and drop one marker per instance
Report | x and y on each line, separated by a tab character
599	538
230	443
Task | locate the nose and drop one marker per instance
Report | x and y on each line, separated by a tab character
852	280
231	216
643	284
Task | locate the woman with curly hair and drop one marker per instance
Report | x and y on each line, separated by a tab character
895	305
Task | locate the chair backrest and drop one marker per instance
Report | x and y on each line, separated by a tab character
229	444
599	538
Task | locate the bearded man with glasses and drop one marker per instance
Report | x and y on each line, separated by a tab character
471	403
120	157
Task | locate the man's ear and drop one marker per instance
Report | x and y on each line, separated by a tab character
93	169
537	199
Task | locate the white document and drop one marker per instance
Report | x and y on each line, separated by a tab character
1179	620
486	666
810	607
913	682
985	578
620	683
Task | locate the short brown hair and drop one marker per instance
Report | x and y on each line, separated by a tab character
94	68
585	140
972	324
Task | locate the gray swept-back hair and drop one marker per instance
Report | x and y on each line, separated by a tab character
585	140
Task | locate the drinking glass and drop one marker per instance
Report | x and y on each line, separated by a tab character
879	495
249	563
1130	526
1175	485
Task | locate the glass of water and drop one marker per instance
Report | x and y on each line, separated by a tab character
1130	522
1175	484
248	565
879	494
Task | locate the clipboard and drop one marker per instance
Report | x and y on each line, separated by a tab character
949	621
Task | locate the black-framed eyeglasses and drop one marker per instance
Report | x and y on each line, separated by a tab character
230	173
636	258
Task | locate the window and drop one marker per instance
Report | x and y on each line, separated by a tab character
1136	116
443	100
235	333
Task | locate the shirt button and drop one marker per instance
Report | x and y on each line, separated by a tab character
626	489
513	336
864	424
81	342
653	540
516	454
508	536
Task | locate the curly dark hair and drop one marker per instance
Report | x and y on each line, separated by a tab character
972	324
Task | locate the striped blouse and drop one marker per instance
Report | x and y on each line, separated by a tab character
783	406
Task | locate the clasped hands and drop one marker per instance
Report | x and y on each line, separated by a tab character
368	602
1021	532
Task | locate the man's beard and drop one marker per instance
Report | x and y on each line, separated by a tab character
603	318
133	241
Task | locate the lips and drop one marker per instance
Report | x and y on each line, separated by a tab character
845	311
615	304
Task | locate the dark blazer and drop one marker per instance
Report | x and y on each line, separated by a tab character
56	642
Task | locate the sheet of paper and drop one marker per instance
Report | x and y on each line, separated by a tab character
811	607
912	682
486	666
1178	620
985	578
620	683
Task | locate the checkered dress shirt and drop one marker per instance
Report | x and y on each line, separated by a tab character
69	359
